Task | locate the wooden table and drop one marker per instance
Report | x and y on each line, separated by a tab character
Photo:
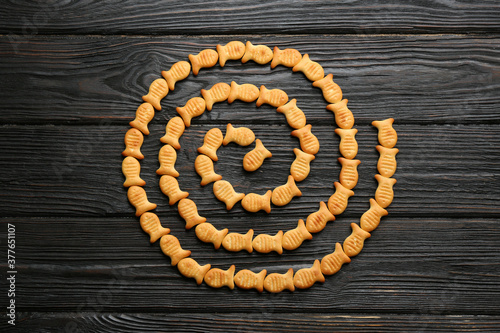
72	76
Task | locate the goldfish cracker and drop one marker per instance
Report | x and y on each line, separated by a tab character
143	115
349	172
254	202
178	72
138	198
292	239
191	269
151	225
254	158
133	142
261	54
331	263
167	157
301	166
217	278
387	164
311	69
131	169
343	116
231	51
384	193
387	135
371	218
171	247
204	167
266	243
170	187
273	97
207	233
245	92
354	243
286	57
193	108
338	201
317	221
211	143
242	136
189	212
331	91
173	131
219	92
308	142
157	91
246	279
205	59
224	191
276	283
283	194
294	116
306	277
236	242
348	145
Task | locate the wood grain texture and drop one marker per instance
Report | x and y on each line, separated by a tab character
70	170
444	79
252	322
283	16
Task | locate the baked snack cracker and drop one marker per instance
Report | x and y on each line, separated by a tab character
167	156
193	108
338	201
273	97
242	136
191	269
236	242
171	247
207	233
244	92
225	192
246	279
131	168
133	142
261	54
218	93
170	187
204	167
157	91
371	218
308	142
173	131
254	158
343	116
384	193
217	278
138	198
189	212
254	202
264	243
178	72
151	225
292	239
317	221
349	173
387	136
276	283
205	59
348	145
331	91
211	143
283	194
294	116
231	51
286	57
353	244
301	167
387	164
311	69
143	115
331	263
306	277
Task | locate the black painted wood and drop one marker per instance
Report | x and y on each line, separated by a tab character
450	79
26	18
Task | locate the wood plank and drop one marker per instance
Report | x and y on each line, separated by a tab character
419	266
277	16
70	170
253	322
417	79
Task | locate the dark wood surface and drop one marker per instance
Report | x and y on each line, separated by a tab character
72	76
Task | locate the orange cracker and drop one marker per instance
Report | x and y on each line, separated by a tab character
242	136
387	164
246	279
331	263
343	116
244	92
254	158
387	136
217	278
384	193
157	91
349	173
131	169
317	221
261	54
353	244
294	116
266	243
231	51
207	233
371	218
286	57
225	192
178	72
254	202
211	143
167	157
143	115
306	277
173	131
205	59
171	247
133	142
301	166
275	283
273	97
235	242
331	91
292	239
283	194
348	145
218	93
204	167
191	269
338	201
151	224
308	142
170	187
189	212
311	69
138	198
193	108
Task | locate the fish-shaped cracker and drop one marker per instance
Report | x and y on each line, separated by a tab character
331	263
194	108
338	201
264	243
246	279
133	142
236	242
157	91
171	247
131	169
211	143
231	51
204	167
292	239
275	282
354	243
207	233
317	221
143	115
306	277
283	194
167	156
225	192
301	166
189	212
178	72
173	132
254	158
191	269
205	59
371	218
170	187
308	142
151	224
138	198
343	116
294	116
